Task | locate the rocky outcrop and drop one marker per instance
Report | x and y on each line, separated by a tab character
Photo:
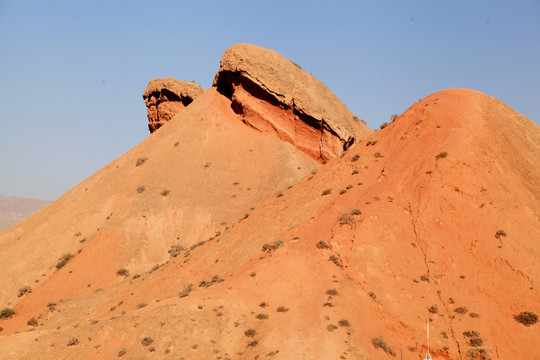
164	98
275	96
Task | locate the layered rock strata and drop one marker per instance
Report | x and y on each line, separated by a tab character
275	96
164	98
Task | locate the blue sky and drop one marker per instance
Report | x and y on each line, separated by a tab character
72	72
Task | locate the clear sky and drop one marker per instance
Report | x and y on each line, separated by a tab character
72	72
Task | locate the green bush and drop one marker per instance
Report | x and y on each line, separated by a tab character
526	318
122	272
461	310
331	292
441	155
187	290
141	161
322	245
24	290
64	260
380	343
268	247
7	313
147	341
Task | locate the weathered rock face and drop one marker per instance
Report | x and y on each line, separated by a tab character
164	98
277	97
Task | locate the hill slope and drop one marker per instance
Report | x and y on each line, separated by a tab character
432	219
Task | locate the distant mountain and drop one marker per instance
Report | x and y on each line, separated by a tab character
13	209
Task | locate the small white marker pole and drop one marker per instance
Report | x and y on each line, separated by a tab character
428	338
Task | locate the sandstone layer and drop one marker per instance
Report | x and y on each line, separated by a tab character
276	97
165	98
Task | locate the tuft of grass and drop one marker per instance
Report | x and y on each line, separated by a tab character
335	260
433	309
327	192
175	250
372	295
141	161
346	219
140	189
383	125
526	318
322	245
122	352
354	172
268	247
32	322
250	332
424	278
253	343
356	212
441	155
141	305
122	272
51	306
147	341
165	192
215	279
331	292
263	304
328	304
295	64
187	290
377	155
331	327
261	316
344	322
64	260
500	233
380	343
355	158
282	309
461	310
474	315
24	290
73	341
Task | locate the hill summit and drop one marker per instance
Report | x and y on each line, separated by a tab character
218	238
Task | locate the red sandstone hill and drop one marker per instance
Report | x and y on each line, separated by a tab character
432	219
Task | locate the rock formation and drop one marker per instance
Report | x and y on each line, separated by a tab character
275	96
164	98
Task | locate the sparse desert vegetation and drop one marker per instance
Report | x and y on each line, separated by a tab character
441	155
272	247
526	318
322	245
141	161
379	343
64	260
122	272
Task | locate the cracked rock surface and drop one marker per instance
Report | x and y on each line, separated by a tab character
275	96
